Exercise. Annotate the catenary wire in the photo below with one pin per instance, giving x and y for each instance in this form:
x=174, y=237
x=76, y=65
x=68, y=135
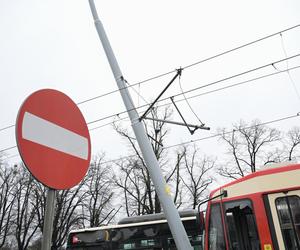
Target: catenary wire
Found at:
x=7, y=127
x=212, y=136
x=212, y=91
x=194, y=64
x=201, y=87
x=188, y=66
x=187, y=102
x=205, y=138
x=287, y=66
x=205, y=93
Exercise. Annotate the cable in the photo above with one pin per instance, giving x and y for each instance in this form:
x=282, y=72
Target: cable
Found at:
x=235, y=84
x=186, y=67
x=4, y=128
x=208, y=92
x=230, y=132
x=137, y=92
x=187, y=102
x=242, y=46
x=6, y=149
x=196, y=63
x=216, y=135
x=204, y=138
x=9, y=157
x=287, y=66
x=239, y=74
x=201, y=87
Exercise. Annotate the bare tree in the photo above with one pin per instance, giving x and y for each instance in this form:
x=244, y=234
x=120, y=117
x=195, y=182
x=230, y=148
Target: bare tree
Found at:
x=133, y=180
x=196, y=178
x=99, y=193
x=186, y=173
x=25, y=220
x=68, y=214
x=247, y=145
x=7, y=199
x=38, y=197
x=292, y=142
x=173, y=178
x=134, y=177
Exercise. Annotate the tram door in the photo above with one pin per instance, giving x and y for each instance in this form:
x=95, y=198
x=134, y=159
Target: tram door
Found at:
x=285, y=219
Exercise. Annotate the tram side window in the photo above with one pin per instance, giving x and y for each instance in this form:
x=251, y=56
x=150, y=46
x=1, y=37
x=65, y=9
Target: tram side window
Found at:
x=216, y=233
x=241, y=225
x=288, y=209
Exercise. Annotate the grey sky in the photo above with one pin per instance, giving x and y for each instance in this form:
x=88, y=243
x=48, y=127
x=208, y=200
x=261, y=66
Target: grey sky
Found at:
x=53, y=44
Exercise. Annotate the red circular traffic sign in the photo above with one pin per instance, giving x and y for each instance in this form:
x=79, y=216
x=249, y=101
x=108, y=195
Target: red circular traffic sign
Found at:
x=53, y=139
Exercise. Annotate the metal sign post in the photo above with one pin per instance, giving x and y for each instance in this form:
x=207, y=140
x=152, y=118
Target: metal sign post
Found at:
x=161, y=187
x=48, y=219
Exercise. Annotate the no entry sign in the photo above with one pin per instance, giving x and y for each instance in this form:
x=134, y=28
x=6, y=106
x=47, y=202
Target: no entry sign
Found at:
x=53, y=139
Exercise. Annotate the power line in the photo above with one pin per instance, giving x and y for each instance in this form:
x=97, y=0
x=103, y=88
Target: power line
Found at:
x=287, y=66
x=212, y=91
x=8, y=148
x=242, y=46
x=230, y=132
x=187, y=102
x=201, y=87
x=186, y=67
x=208, y=92
x=196, y=63
x=213, y=136
x=203, y=138
x=9, y=157
x=235, y=84
x=7, y=127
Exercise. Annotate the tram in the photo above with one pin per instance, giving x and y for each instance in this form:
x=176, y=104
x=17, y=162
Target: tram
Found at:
x=260, y=211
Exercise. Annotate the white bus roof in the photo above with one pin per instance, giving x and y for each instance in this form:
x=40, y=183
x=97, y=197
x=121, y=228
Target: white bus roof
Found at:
x=154, y=222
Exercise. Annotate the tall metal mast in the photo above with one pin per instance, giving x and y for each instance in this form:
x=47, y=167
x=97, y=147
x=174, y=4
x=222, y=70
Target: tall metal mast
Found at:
x=161, y=187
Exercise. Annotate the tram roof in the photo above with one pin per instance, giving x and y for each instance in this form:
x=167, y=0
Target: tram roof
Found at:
x=268, y=179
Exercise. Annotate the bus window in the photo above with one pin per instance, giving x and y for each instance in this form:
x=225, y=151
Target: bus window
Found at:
x=288, y=209
x=158, y=236
x=241, y=225
x=89, y=240
x=148, y=232
x=216, y=233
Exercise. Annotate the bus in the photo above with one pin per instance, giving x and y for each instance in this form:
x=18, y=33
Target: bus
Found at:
x=260, y=211
x=139, y=232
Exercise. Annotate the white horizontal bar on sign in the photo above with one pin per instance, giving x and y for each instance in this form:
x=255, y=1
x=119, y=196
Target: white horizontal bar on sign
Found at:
x=49, y=134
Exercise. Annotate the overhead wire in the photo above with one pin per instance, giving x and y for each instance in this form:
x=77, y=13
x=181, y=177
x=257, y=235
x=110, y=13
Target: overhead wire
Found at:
x=242, y=46
x=202, y=86
x=205, y=93
x=7, y=127
x=186, y=67
x=196, y=63
x=205, y=138
x=137, y=92
x=208, y=92
x=231, y=131
x=287, y=66
x=8, y=148
x=201, y=94
x=187, y=102
x=214, y=136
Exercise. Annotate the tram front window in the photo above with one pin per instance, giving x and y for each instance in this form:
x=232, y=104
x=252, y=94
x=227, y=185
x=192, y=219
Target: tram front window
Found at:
x=216, y=233
x=241, y=224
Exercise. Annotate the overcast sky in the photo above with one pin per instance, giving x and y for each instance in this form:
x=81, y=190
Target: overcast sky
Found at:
x=54, y=44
